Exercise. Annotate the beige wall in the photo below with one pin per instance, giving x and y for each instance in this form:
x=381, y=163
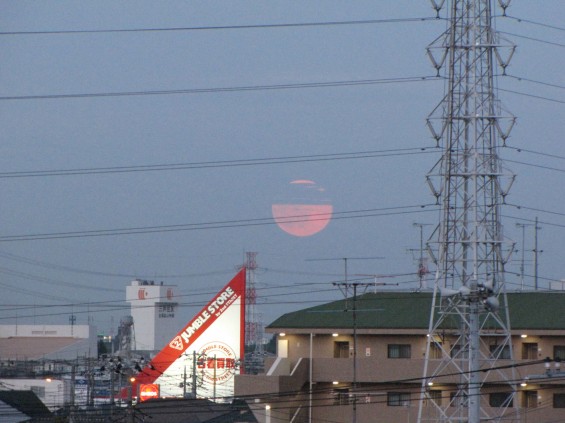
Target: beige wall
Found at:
x=373, y=366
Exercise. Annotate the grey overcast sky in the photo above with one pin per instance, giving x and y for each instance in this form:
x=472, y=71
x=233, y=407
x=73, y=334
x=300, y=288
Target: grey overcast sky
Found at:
x=51, y=52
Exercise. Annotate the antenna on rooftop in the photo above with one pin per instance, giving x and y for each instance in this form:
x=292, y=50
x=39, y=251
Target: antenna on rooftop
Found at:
x=469, y=312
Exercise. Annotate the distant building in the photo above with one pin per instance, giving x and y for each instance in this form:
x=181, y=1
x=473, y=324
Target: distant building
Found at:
x=47, y=342
x=315, y=351
x=153, y=310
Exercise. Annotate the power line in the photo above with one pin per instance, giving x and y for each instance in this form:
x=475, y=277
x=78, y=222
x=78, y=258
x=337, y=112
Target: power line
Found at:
x=533, y=81
x=539, y=97
x=220, y=224
x=545, y=25
x=227, y=89
x=535, y=165
x=220, y=163
x=223, y=27
x=553, y=43
x=540, y=153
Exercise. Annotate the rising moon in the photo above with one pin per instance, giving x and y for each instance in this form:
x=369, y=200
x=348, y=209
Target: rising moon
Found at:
x=306, y=210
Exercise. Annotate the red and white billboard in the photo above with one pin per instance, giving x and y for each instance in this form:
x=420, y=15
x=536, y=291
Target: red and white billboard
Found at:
x=216, y=337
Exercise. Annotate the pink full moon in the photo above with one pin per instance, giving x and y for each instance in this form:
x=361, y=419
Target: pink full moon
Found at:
x=306, y=212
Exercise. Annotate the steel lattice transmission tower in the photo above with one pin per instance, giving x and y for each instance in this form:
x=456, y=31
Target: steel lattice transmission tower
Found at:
x=469, y=329
x=253, y=325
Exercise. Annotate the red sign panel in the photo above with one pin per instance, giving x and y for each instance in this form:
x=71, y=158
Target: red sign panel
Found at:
x=148, y=391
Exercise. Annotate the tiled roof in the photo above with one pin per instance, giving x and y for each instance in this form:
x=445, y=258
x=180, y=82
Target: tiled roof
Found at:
x=541, y=310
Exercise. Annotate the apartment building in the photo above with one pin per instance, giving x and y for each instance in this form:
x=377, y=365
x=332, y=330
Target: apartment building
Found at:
x=363, y=359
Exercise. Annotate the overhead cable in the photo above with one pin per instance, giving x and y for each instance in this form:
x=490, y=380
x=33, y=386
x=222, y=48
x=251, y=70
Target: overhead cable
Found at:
x=221, y=27
x=221, y=163
x=347, y=83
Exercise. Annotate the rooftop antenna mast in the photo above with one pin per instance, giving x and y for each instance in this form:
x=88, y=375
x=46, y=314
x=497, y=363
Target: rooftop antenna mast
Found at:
x=469, y=327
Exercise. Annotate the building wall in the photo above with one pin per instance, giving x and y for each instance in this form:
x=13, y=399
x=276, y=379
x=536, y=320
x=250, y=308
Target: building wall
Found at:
x=47, y=342
x=379, y=399
x=73, y=331
x=154, y=310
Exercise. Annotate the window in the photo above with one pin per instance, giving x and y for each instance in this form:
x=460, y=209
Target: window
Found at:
x=558, y=400
x=530, y=399
x=399, y=351
x=500, y=351
x=458, y=352
x=341, y=349
x=436, y=350
x=397, y=399
x=500, y=399
x=435, y=396
x=559, y=352
x=458, y=399
x=529, y=351
x=341, y=396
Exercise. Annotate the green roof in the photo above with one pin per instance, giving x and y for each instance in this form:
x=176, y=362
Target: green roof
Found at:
x=411, y=310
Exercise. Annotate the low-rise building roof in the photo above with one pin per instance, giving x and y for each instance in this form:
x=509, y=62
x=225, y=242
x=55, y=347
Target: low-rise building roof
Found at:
x=534, y=310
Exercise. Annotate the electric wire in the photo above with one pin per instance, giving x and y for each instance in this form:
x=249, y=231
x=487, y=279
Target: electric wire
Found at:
x=349, y=83
x=52, y=266
x=539, y=40
x=540, y=153
x=223, y=27
x=352, y=214
x=533, y=81
x=529, y=21
x=398, y=152
x=539, y=97
x=535, y=165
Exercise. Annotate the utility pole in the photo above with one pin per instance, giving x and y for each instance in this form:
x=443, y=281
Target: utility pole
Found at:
x=536, y=252
x=422, y=268
x=468, y=246
x=194, y=374
x=73, y=387
x=344, y=287
x=184, y=383
x=522, y=259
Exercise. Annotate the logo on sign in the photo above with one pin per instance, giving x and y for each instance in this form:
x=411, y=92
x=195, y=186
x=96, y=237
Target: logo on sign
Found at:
x=170, y=294
x=141, y=294
x=176, y=343
x=219, y=359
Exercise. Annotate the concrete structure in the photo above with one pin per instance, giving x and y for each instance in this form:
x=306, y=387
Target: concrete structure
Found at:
x=383, y=382
x=154, y=314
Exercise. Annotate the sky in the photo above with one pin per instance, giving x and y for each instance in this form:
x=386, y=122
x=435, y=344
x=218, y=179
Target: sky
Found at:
x=142, y=85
